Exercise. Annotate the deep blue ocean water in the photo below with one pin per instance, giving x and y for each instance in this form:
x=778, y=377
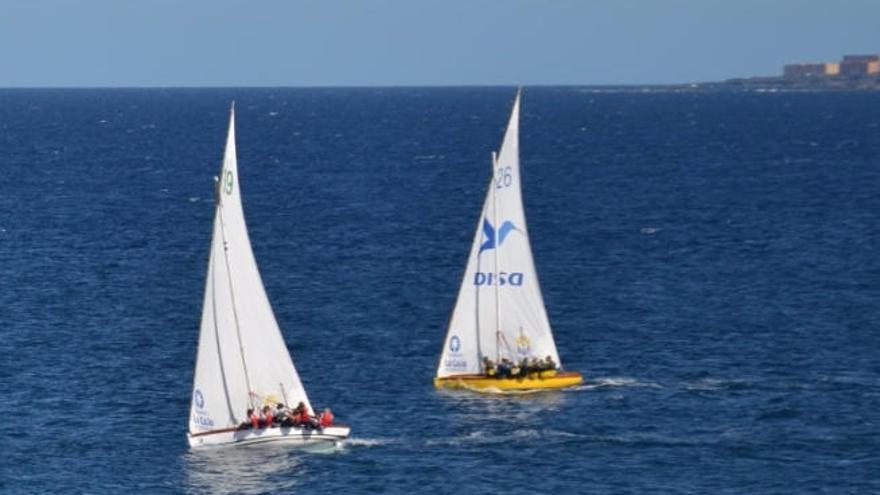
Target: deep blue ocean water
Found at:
x=708, y=261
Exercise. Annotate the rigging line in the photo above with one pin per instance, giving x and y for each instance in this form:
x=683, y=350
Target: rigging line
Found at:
x=477, y=311
x=283, y=394
x=477, y=243
x=217, y=336
x=503, y=339
x=496, y=250
x=247, y=379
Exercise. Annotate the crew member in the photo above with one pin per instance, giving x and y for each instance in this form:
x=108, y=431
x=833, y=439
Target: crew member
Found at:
x=489, y=367
x=267, y=417
x=326, y=418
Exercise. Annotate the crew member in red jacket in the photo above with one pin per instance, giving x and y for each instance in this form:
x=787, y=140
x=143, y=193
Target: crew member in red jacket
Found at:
x=326, y=418
x=267, y=417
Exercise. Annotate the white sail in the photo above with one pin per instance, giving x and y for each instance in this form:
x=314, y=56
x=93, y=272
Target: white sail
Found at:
x=499, y=311
x=242, y=359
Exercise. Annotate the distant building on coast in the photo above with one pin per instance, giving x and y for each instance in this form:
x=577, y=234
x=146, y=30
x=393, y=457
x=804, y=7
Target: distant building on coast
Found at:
x=822, y=69
x=852, y=66
x=852, y=73
x=860, y=65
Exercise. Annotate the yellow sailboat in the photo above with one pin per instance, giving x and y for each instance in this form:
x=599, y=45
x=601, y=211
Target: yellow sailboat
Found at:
x=499, y=338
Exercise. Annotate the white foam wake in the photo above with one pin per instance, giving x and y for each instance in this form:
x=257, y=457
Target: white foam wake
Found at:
x=366, y=442
x=615, y=382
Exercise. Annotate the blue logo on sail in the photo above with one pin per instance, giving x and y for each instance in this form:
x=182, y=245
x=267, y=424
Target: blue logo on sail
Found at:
x=455, y=361
x=501, y=278
x=200, y=416
x=489, y=232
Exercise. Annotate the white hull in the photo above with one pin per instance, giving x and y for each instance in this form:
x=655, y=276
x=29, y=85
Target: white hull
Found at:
x=296, y=437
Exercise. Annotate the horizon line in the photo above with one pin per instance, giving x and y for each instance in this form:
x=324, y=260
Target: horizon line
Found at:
x=371, y=86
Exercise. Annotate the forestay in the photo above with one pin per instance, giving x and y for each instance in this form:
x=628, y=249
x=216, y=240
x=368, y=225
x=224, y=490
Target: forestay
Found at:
x=499, y=311
x=242, y=358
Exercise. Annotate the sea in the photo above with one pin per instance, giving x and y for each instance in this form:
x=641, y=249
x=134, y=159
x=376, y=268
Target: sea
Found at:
x=709, y=262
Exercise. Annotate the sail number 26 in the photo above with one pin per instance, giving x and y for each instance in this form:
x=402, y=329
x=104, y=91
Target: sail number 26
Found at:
x=503, y=177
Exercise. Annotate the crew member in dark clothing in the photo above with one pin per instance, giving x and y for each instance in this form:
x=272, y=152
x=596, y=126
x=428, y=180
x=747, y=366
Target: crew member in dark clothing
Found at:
x=504, y=368
x=489, y=367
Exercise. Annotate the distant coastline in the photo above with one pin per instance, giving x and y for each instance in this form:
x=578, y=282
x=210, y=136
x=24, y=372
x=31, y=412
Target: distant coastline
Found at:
x=835, y=83
x=749, y=84
x=852, y=73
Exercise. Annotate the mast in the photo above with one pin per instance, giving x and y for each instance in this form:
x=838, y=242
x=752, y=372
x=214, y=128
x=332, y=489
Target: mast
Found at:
x=495, y=240
x=477, y=291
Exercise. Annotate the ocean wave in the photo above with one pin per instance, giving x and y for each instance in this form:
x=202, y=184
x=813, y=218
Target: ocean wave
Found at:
x=481, y=437
x=477, y=436
x=367, y=442
x=615, y=382
x=543, y=433
x=646, y=441
x=711, y=384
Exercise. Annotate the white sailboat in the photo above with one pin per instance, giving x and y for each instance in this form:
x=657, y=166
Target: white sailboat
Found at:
x=242, y=361
x=499, y=314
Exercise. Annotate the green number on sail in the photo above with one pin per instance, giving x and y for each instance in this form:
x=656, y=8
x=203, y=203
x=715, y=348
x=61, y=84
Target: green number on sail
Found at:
x=229, y=182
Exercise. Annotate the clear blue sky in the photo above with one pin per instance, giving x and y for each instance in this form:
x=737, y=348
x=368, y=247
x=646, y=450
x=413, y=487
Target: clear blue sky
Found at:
x=420, y=42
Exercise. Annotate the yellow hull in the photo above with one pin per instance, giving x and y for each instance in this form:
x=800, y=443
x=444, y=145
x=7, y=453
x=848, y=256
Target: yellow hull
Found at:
x=535, y=381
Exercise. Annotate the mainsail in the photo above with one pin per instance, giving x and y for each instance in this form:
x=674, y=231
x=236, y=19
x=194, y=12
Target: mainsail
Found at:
x=242, y=359
x=499, y=312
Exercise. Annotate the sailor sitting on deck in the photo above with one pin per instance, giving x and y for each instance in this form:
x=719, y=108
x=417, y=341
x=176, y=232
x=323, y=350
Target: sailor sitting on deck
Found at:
x=523, y=368
x=290, y=417
x=504, y=368
x=281, y=412
x=516, y=369
x=326, y=418
x=489, y=367
x=300, y=417
x=251, y=420
x=533, y=366
x=299, y=410
x=266, y=417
